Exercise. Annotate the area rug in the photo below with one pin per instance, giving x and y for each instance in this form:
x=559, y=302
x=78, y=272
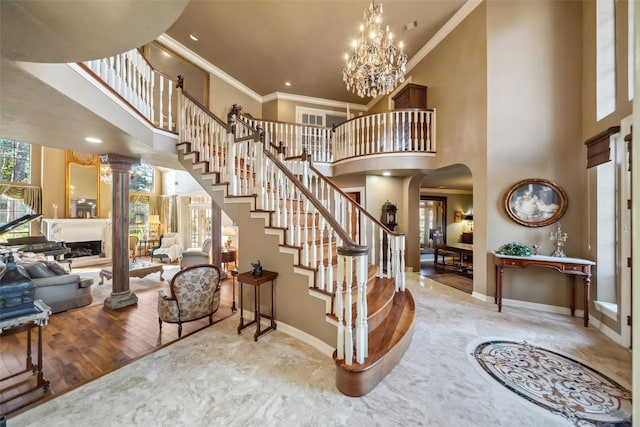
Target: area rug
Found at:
x=461, y=283
x=150, y=282
x=554, y=382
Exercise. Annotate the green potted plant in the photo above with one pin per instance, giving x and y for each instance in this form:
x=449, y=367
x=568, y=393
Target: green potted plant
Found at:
x=514, y=249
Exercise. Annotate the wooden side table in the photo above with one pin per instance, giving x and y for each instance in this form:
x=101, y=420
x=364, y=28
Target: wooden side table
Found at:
x=228, y=255
x=256, y=282
x=21, y=323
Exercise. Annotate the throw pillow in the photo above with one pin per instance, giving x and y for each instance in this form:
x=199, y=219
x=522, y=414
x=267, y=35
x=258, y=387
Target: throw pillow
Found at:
x=56, y=267
x=38, y=269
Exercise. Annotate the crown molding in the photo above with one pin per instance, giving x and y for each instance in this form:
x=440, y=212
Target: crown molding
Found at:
x=207, y=66
x=443, y=32
x=311, y=100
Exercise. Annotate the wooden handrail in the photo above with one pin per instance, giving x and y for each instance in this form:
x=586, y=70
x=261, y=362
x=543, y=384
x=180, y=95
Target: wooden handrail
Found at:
x=411, y=110
x=363, y=210
x=352, y=247
x=205, y=109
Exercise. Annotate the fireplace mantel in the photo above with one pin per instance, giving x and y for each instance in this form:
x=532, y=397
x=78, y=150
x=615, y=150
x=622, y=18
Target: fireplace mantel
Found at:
x=80, y=230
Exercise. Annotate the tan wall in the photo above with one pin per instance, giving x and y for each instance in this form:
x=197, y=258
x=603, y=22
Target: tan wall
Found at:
x=455, y=74
x=270, y=110
x=533, y=131
x=223, y=96
x=53, y=180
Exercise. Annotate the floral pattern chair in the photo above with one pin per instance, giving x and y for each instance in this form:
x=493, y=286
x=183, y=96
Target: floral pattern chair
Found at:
x=194, y=293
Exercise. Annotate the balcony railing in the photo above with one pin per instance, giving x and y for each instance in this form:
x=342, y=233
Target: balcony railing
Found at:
x=148, y=91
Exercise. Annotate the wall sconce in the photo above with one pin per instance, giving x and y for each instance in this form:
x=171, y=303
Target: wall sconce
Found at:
x=389, y=215
x=227, y=232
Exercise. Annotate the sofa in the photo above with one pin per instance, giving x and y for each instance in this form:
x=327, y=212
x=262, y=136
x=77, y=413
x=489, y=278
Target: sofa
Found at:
x=196, y=256
x=55, y=286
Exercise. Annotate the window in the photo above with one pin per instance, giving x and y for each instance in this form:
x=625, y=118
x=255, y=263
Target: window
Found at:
x=138, y=219
x=142, y=179
x=630, y=51
x=605, y=58
x=16, y=161
x=15, y=167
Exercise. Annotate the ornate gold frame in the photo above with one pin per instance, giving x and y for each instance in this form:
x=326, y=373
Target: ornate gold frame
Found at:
x=535, y=202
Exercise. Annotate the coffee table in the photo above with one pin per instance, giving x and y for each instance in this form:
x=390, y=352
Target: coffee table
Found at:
x=136, y=269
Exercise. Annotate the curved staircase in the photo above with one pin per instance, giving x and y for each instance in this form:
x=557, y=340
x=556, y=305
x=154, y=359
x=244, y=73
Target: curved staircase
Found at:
x=373, y=332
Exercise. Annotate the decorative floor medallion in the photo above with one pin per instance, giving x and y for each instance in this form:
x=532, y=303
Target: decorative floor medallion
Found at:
x=556, y=382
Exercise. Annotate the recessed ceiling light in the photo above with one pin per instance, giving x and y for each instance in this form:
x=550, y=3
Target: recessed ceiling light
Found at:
x=93, y=140
x=386, y=173
x=287, y=83
x=194, y=37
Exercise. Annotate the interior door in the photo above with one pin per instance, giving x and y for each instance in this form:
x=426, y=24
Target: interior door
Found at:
x=433, y=210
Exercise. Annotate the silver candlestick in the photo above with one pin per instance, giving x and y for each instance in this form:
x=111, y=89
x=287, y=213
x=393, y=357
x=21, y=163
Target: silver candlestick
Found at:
x=559, y=237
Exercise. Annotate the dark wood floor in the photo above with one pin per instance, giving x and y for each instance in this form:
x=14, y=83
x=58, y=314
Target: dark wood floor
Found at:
x=83, y=344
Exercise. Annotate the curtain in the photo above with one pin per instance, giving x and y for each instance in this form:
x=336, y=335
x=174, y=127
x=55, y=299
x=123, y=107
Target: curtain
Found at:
x=147, y=199
x=32, y=196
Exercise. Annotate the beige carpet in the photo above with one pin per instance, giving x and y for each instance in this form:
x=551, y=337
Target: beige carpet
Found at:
x=464, y=284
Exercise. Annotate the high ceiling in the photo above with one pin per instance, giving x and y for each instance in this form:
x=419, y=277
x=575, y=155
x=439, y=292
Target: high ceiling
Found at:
x=261, y=43
x=265, y=43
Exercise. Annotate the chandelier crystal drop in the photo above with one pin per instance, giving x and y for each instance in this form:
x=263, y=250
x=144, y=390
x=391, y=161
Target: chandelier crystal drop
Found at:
x=375, y=66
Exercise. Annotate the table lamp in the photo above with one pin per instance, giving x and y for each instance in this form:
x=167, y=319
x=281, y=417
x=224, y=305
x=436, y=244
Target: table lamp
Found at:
x=227, y=232
x=154, y=225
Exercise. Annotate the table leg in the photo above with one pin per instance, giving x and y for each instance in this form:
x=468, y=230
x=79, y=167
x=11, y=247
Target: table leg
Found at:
x=273, y=307
x=587, y=287
x=39, y=370
x=233, y=290
x=29, y=363
x=241, y=311
x=257, y=313
x=572, y=294
x=499, y=273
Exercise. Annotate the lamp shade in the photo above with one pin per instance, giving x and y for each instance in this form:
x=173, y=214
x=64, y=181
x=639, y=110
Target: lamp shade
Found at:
x=154, y=219
x=468, y=217
x=228, y=231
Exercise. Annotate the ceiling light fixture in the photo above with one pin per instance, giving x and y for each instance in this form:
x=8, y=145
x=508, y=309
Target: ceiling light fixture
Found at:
x=386, y=173
x=194, y=37
x=375, y=66
x=287, y=83
x=93, y=140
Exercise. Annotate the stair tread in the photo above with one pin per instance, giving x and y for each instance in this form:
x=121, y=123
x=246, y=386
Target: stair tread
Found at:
x=392, y=329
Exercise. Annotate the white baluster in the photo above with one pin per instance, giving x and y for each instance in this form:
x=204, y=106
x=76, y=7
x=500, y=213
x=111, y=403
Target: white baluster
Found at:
x=348, y=334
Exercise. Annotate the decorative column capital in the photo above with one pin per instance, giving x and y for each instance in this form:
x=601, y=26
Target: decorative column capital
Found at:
x=119, y=163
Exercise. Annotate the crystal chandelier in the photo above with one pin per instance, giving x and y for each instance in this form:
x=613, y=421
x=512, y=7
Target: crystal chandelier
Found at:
x=375, y=66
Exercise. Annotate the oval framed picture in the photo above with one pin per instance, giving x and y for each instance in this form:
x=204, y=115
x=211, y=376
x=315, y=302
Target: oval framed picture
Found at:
x=535, y=202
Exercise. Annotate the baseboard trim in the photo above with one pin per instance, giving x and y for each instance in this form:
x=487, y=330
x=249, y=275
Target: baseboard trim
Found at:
x=296, y=333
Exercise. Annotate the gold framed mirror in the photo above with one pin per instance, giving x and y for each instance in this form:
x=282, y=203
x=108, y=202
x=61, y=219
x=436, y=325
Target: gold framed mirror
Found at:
x=82, y=193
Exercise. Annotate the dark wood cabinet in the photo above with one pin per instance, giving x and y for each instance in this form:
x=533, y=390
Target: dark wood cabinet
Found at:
x=411, y=96
x=467, y=237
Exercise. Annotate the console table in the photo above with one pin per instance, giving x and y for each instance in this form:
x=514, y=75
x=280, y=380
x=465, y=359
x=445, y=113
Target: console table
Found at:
x=26, y=322
x=256, y=281
x=571, y=266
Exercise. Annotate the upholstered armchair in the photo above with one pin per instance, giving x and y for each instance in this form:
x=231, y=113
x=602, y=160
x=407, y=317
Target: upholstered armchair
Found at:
x=195, y=256
x=170, y=248
x=194, y=293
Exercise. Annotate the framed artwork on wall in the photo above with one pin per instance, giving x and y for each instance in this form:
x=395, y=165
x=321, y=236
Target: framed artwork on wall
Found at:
x=535, y=202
